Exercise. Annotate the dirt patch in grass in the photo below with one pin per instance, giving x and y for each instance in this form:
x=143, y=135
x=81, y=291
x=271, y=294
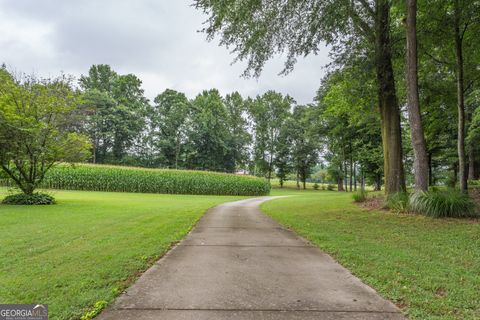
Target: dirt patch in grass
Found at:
x=373, y=203
x=475, y=194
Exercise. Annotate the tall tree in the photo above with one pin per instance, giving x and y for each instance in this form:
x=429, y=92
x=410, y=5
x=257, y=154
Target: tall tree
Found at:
x=209, y=132
x=169, y=124
x=304, y=141
x=238, y=136
x=268, y=113
x=258, y=30
x=459, y=34
x=97, y=120
x=125, y=119
x=420, y=162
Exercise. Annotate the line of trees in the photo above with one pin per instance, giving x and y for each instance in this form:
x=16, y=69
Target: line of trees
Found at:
x=269, y=135
x=403, y=71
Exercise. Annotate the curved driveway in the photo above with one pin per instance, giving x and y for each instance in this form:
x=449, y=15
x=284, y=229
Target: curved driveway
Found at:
x=239, y=264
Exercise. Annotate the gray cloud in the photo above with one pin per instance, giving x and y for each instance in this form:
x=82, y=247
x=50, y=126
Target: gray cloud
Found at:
x=156, y=40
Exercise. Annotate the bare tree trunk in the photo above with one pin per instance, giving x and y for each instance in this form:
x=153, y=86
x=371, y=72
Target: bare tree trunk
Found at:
x=351, y=169
x=177, y=151
x=355, y=176
x=339, y=184
x=270, y=162
x=420, y=161
x=388, y=103
x=430, y=170
x=94, y=153
x=460, y=100
x=471, y=164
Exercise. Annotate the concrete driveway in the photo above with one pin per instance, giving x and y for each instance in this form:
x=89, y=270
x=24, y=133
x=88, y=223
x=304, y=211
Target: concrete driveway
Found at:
x=239, y=264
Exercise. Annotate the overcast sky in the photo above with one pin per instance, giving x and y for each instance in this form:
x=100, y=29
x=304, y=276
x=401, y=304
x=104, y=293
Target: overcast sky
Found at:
x=157, y=40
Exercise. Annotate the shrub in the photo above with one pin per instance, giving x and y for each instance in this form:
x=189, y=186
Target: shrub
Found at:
x=474, y=182
x=397, y=201
x=29, y=199
x=330, y=187
x=323, y=187
x=360, y=196
x=442, y=204
x=316, y=186
x=130, y=179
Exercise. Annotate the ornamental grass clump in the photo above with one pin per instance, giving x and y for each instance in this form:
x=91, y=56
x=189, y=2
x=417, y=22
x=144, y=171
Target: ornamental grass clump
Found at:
x=397, y=202
x=443, y=204
x=130, y=179
x=360, y=195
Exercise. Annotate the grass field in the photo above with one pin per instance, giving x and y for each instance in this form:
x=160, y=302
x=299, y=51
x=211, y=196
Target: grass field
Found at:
x=89, y=246
x=428, y=267
x=290, y=184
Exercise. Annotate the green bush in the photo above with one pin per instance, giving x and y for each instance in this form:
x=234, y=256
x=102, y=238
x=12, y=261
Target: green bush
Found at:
x=443, y=204
x=130, y=179
x=316, y=186
x=474, y=182
x=360, y=196
x=29, y=199
x=330, y=187
x=397, y=201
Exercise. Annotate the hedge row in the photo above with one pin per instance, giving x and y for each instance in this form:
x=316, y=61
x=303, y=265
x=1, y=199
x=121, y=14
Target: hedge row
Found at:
x=128, y=179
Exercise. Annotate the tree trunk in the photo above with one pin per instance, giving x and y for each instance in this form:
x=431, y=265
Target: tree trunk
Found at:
x=388, y=103
x=378, y=183
x=177, y=151
x=270, y=166
x=471, y=163
x=430, y=170
x=351, y=169
x=355, y=176
x=298, y=180
x=460, y=100
x=339, y=184
x=345, y=179
x=420, y=161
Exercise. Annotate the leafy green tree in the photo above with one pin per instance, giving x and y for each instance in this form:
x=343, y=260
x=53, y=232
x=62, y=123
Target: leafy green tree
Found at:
x=268, y=113
x=169, y=123
x=97, y=121
x=125, y=118
x=238, y=136
x=305, y=141
x=283, y=153
x=350, y=127
x=209, y=132
x=34, y=115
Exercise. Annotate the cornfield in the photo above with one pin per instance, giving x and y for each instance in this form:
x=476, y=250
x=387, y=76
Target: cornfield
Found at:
x=129, y=179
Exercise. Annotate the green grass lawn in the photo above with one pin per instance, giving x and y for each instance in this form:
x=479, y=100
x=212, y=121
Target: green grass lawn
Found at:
x=428, y=267
x=89, y=246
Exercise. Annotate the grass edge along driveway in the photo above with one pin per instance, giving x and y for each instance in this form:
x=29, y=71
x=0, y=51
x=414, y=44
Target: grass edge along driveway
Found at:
x=429, y=267
x=89, y=246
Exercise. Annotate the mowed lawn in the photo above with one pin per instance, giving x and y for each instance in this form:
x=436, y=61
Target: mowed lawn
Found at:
x=89, y=246
x=428, y=267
